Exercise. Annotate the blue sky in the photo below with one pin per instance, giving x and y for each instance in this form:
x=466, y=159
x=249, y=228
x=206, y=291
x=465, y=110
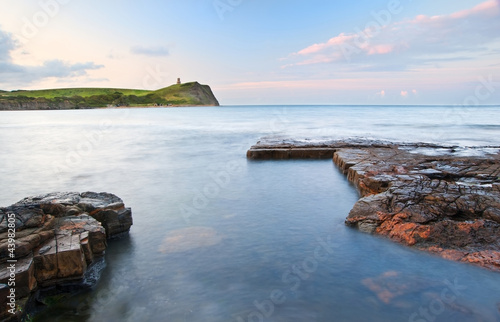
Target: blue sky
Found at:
x=260, y=52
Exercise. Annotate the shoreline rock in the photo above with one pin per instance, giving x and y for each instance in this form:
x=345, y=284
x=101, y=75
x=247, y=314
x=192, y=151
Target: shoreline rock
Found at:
x=57, y=237
x=443, y=200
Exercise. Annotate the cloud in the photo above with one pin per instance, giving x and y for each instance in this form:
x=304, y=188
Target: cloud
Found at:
x=7, y=44
x=346, y=83
x=12, y=74
x=404, y=93
x=60, y=69
x=381, y=94
x=150, y=51
x=462, y=35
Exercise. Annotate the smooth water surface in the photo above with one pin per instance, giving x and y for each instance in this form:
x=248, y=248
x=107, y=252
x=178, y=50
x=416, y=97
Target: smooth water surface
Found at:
x=219, y=238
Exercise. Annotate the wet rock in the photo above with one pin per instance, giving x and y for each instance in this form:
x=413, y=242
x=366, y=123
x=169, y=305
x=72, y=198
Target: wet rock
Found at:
x=57, y=236
x=25, y=280
x=429, y=209
x=444, y=200
x=31, y=210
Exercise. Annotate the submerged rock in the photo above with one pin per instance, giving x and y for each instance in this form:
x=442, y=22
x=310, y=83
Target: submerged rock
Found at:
x=182, y=240
x=444, y=200
x=392, y=284
x=57, y=236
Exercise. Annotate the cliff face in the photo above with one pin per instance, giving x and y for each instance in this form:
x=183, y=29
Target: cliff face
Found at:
x=37, y=104
x=188, y=94
x=204, y=95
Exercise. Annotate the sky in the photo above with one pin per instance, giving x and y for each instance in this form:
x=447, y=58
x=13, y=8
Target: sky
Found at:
x=253, y=52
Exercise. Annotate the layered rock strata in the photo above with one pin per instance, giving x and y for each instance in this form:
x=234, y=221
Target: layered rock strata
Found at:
x=444, y=200
x=56, y=237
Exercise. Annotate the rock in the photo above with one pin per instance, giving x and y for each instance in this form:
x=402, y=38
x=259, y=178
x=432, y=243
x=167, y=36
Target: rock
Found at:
x=182, y=240
x=434, y=198
x=56, y=238
x=4, y=292
x=428, y=208
x=25, y=280
x=44, y=249
x=392, y=284
x=32, y=211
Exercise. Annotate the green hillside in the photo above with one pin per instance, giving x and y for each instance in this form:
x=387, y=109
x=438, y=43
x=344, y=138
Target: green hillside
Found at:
x=69, y=92
x=188, y=94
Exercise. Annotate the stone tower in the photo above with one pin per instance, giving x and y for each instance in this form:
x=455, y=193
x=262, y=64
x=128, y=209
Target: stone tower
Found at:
x=178, y=81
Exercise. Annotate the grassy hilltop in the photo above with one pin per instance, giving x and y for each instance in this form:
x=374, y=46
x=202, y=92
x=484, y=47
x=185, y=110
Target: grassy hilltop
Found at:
x=188, y=94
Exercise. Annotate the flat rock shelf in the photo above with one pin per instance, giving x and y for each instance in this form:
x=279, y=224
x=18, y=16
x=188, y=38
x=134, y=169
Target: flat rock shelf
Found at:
x=441, y=199
x=57, y=238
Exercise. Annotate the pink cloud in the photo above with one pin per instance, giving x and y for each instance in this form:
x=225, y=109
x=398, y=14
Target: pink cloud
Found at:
x=335, y=41
x=404, y=93
x=312, y=49
x=345, y=83
x=490, y=7
x=380, y=49
x=463, y=31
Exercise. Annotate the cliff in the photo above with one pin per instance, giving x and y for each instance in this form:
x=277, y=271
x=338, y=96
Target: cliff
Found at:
x=188, y=94
x=36, y=104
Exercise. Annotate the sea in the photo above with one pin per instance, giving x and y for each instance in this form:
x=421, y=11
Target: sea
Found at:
x=217, y=237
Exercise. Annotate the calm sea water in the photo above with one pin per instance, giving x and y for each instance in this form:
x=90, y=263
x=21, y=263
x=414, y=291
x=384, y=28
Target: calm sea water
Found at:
x=219, y=238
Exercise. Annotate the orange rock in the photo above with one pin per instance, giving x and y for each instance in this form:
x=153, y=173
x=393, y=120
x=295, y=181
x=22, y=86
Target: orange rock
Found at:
x=391, y=285
x=486, y=258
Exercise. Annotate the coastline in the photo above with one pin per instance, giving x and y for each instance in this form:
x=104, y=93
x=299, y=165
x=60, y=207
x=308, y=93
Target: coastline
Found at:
x=152, y=106
x=103, y=107
x=444, y=200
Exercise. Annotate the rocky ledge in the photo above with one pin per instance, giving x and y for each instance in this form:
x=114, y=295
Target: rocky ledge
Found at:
x=444, y=200
x=57, y=237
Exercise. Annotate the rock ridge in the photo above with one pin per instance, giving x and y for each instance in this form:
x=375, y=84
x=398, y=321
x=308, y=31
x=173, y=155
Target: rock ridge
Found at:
x=443, y=200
